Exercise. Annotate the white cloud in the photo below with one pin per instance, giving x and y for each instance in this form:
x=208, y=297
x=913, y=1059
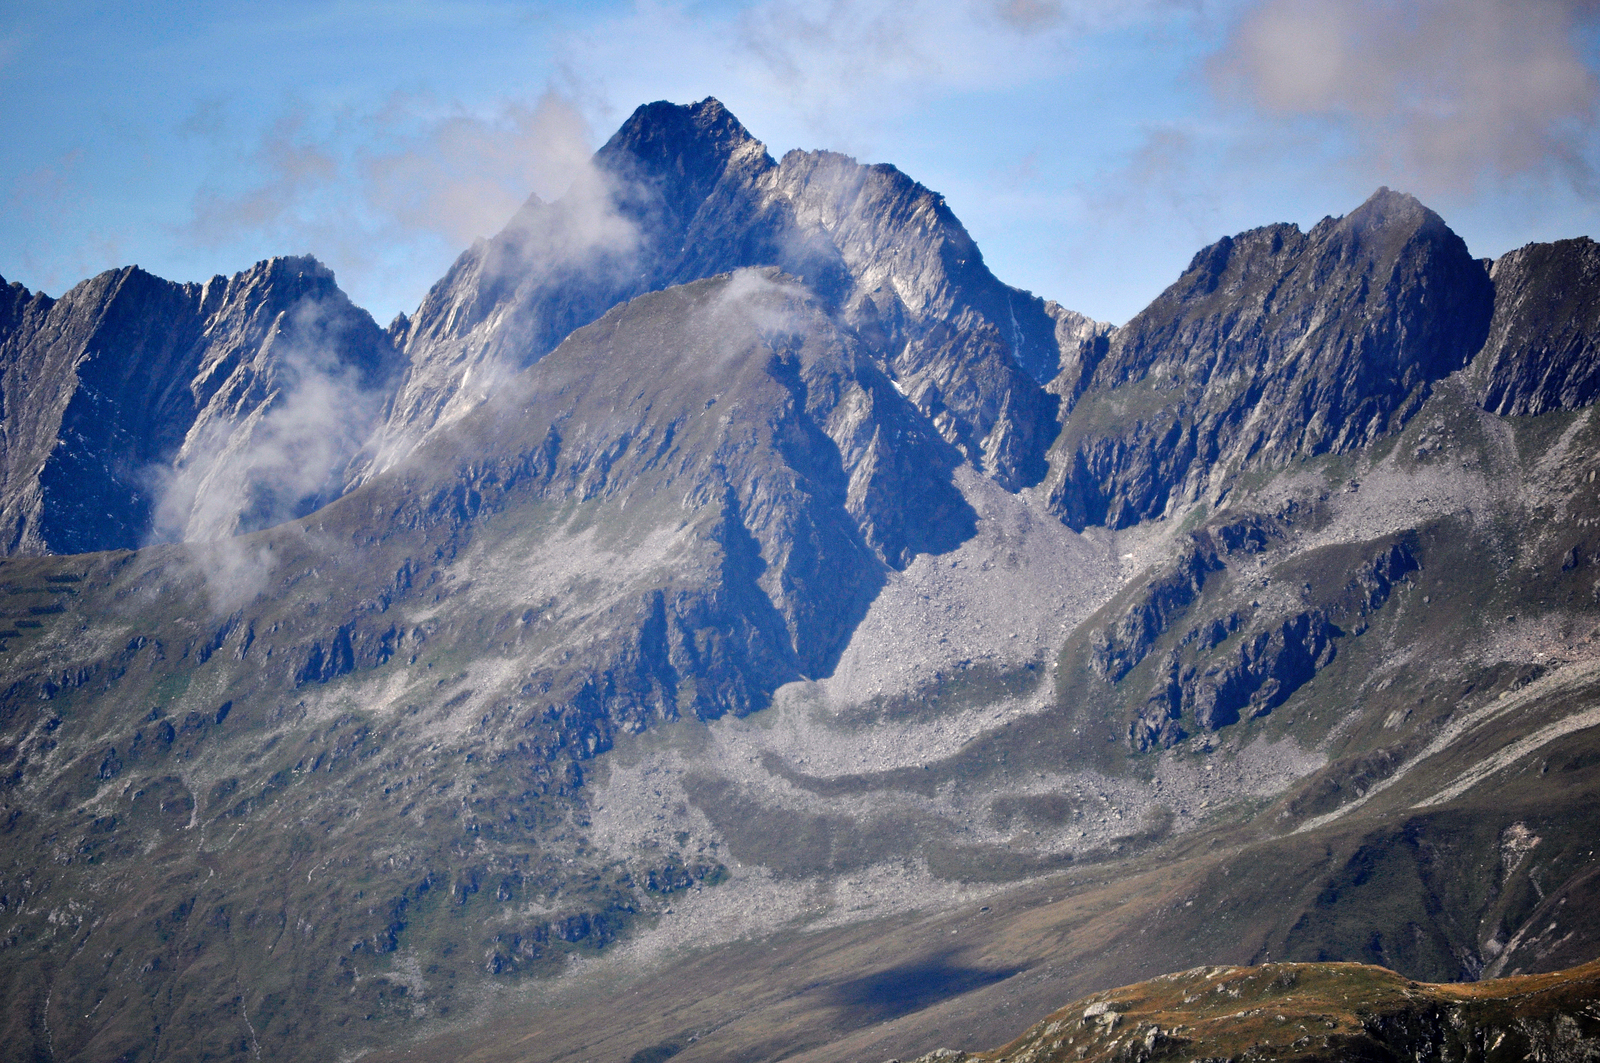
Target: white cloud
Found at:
x=278, y=449
x=836, y=70
x=394, y=194
x=1445, y=94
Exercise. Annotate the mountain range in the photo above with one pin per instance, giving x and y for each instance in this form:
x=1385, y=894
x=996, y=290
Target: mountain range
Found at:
x=727, y=622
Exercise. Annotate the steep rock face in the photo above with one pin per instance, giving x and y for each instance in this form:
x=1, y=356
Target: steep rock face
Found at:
x=16, y=303
x=688, y=503
x=1543, y=351
x=290, y=380
x=1083, y=343
x=619, y=232
x=137, y=408
x=740, y=396
x=94, y=387
x=968, y=350
x=1274, y=344
x=681, y=193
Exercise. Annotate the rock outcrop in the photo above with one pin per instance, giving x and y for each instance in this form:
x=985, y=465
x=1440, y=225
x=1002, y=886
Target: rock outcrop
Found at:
x=685, y=192
x=1316, y=1011
x=139, y=410
x=1274, y=344
x=1543, y=351
x=1205, y=678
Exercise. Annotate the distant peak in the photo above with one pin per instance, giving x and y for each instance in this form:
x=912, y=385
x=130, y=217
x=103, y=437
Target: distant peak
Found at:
x=658, y=132
x=1386, y=205
x=706, y=115
x=291, y=265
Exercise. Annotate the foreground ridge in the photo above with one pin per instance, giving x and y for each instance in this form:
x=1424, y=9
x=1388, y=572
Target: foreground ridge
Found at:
x=1317, y=1011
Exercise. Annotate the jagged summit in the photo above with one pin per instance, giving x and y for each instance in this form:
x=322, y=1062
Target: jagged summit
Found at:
x=139, y=409
x=1274, y=344
x=1386, y=203
x=685, y=139
x=684, y=192
x=292, y=276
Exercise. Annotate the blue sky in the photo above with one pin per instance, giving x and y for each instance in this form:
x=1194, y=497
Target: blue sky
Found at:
x=1091, y=147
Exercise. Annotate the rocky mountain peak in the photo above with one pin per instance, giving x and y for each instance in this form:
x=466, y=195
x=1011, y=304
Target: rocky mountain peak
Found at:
x=687, y=144
x=1386, y=207
x=283, y=280
x=1275, y=343
x=684, y=192
x=141, y=409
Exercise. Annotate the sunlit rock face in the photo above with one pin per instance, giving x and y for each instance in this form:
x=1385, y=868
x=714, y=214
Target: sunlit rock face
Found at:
x=681, y=193
x=723, y=581
x=1274, y=344
x=139, y=410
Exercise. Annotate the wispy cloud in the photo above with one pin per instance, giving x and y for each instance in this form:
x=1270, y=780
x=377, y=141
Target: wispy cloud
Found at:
x=840, y=68
x=1446, y=94
x=1028, y=14
x=293, y=162
x=42, y=188
x=376, y=191
x=828, y=50
x=1162, y=177
x=463, y=175
x=11, y=44
x=273, y=442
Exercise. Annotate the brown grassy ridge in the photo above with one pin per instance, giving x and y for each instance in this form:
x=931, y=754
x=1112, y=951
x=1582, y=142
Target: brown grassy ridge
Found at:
x=1317, y=1011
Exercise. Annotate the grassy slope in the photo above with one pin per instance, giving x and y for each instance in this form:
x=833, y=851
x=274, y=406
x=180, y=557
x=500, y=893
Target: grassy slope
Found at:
x=1292, y=1011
